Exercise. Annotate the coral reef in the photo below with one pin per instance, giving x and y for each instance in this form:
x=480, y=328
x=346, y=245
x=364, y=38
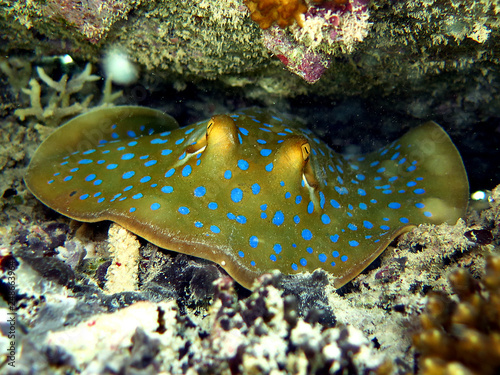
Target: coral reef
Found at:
x=464, y=336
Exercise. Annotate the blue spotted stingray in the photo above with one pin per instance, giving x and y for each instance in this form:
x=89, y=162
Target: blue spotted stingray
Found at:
x=250, y=191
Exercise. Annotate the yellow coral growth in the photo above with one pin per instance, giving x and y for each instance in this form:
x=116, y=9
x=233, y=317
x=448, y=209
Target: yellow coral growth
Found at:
x=463, y=337
x=283, y=12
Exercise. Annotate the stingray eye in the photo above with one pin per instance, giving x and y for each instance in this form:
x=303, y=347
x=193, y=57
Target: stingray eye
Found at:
x=306, y=151
x=210, y=126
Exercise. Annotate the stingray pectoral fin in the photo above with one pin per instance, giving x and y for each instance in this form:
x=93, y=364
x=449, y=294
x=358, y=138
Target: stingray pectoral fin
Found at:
x=441, y=165
x=356, y=269
x=84, y=134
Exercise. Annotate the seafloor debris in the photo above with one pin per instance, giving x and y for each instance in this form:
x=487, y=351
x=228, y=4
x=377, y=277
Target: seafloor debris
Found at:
x=463, y=337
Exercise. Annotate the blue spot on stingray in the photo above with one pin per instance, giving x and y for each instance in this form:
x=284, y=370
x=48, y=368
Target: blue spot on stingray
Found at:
x=243, y=164
x=231, y=216
x=253, y=241
x=385, y=227
x=344, y=258
x=127, y=156
x=288, y=195
x=88, y=152
x=145, y=179
x=393, y=178
x=132, y=209
x=325, y=219
x=394, y=205
x=361, y=192
x=419, y=191
x=90, y=177
x=419, y=205
x=100, y=200
x=167, y=189
x=367, y=224
x=236, y=195
x=212, y=205
x=241, y=219
x=295, y=267
x=306, y=234
x=322, y=258
x=360, y=177
x=335, y=254
x=321, y=200
x=296, y=219
x=67, y=178
x=427, y=213
x=404, y=220
x=266, y=152
x=303, y=262
x=263, y=207
x=255, y=188
x=166, y=152
x=241, y=254
x=411, y=183
x=215, y=229
x=298, y=199
x=84, y=196
x=170, y=172
x=149, y=163
x=179, y=141
x=334, y=238
x=74, y=169
x=186, y=171
x=155, y=206
x=200, y=191
x=272, y=257
x=411, y=168
x=277, y=248
x=97, y=182
x=351, y=226
x=380, y=170
x=269, y=167
x=137, y=196
x=395, y=156
x=353, y=244
x=227, y=174
x=198, y=224
x=261, y=141
x=244, y=131
x=373, y=164
x=83, y=161
x=127, y=188
x=128, y=174
x=278, y=218
x=143, y=157
x=310, y=207
x=133, y=143
x=183, y=210
x=183, y=155
x=334, y=203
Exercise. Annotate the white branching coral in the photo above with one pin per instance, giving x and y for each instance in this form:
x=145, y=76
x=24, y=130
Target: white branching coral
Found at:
x=60, y=103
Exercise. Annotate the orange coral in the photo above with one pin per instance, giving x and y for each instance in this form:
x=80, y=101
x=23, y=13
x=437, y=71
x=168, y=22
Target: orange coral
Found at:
x=463, y=337
x=283, y=12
